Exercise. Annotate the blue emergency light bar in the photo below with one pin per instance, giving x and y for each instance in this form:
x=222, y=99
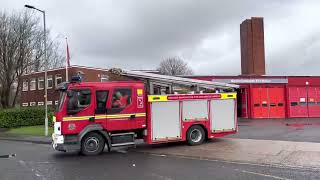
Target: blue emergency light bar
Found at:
x=75, y=79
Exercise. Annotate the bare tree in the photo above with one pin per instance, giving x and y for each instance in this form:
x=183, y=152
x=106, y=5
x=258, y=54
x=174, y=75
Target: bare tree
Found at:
x=21, y=51
x=174, y=66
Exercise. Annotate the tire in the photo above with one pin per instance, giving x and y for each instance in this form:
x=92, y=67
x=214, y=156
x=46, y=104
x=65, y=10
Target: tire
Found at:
x=195, y=135
x=92, y=144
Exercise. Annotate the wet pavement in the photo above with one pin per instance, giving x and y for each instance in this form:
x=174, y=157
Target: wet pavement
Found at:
x=296, y=129
x=262, y=149
x=39, y=161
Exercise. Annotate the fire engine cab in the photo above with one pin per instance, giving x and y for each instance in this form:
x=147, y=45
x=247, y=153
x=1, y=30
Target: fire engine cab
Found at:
x=92, y=115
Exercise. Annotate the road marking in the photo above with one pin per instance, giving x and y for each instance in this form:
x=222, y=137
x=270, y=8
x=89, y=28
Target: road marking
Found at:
x=260, y=174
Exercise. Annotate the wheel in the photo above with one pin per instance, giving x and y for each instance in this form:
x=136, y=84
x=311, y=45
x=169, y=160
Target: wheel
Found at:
x=92, y=144
x=195, y=135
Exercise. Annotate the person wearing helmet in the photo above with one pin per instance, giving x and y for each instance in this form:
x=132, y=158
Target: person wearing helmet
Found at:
x=120, y=101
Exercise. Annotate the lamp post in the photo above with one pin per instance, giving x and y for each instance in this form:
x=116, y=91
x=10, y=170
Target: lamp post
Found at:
x=46, y=65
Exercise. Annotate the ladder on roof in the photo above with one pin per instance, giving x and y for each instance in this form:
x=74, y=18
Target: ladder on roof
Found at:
x=165, y=80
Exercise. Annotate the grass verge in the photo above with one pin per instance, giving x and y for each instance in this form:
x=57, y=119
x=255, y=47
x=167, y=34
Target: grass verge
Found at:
x=30, y=130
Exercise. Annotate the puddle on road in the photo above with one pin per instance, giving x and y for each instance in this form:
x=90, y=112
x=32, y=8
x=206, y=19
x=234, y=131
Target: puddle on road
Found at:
x=300, y=126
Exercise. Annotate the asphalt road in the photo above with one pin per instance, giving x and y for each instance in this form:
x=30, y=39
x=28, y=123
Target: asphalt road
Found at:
x=38, y=161
x=299, y=130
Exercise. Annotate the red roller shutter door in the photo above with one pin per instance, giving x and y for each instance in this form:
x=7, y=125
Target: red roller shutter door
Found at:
x=268, y=102
x=256, y=101
x=313, y=101
x=276, y=102
x=264, y=102
x=298, y=102
x=260, y=102
x=318, y=102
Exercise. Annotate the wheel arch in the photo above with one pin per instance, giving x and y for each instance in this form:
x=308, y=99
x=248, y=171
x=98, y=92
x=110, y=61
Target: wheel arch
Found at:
x=98, y=129
x=203, y=127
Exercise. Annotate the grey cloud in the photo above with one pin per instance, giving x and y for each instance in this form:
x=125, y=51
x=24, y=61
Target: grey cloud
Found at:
x=139, y=34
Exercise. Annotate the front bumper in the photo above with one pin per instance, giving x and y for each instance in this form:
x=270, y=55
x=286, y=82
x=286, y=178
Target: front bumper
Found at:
x=64, y=143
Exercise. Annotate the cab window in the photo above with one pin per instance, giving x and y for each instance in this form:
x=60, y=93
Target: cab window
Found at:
x=101, y=100
x=78, y=100
x=121, y=98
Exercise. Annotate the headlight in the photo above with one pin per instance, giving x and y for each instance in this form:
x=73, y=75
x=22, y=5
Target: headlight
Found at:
x=57, y=128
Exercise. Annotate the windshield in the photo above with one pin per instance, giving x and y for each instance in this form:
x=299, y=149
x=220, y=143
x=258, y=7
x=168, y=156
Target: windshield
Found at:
x=61, y=100
x=78, y=100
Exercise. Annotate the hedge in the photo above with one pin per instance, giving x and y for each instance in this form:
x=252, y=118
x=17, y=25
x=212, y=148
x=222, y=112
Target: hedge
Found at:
x=17, y=117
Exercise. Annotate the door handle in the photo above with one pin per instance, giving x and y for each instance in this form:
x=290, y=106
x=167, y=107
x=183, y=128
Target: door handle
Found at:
x=132, y=116
x=91, y=119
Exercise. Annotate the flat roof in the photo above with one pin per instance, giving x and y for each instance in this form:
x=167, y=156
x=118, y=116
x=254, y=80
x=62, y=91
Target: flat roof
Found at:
x=245, y=76
x=61, y=68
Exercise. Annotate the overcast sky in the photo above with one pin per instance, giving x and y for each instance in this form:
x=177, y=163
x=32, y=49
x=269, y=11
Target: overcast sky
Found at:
x=139, y=34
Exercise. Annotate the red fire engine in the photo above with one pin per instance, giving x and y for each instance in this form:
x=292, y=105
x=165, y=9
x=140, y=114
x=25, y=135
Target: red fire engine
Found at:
x=91, y=115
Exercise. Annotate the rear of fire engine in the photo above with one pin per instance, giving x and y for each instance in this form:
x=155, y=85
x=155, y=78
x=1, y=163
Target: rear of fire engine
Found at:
x=94, y=115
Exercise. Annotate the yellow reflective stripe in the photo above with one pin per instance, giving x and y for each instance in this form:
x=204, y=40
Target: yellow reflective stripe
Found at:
x=228, y=95
x=140, y=114
x=100, y=117
x=76, y=118
x=113, y=116
x=125, y=115
x=155, y=98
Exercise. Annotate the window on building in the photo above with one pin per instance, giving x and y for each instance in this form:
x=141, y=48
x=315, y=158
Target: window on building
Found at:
x=32, y=84
x=32, y=103
x=50, y=82
x=78, y=100
x=58, y=80
x=40, y=83
x=40, y=103
x=104, y=78
x=25, y=104
x=49, y=103
x=25, y=85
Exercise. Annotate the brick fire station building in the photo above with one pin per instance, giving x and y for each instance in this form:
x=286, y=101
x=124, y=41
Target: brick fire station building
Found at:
x=259, y=95
x=274, y=96
x=33, y=84
x=262, y=96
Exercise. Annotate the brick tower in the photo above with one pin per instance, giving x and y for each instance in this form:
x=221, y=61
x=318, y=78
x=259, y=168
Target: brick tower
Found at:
x=252, y=47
